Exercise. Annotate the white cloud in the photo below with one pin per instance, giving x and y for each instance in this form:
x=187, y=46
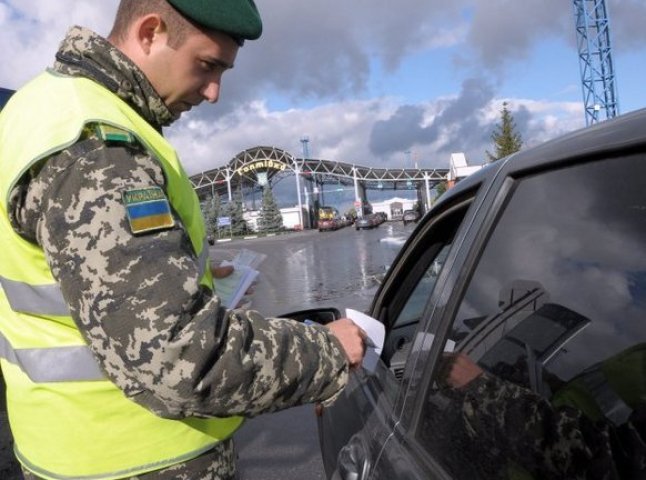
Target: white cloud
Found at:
x=341, y=131
x=321, y=53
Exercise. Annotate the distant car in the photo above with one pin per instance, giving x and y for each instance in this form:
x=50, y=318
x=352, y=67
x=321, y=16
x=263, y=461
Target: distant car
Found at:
x=410, y=216
x=535, y=268
x=382, y=216
x=371, y=220
x=327, y=224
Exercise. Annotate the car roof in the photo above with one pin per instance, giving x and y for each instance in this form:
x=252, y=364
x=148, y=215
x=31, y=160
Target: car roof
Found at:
x=626, y=132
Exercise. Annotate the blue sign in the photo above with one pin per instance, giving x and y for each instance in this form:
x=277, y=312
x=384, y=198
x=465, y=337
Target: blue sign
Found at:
x=224, y=221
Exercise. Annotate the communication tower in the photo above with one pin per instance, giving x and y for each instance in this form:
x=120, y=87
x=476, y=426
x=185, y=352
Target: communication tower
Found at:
x=595, y=59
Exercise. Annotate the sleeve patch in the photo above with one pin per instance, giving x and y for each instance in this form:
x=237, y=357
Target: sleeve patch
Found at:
x=147, y=210
x=108, y=133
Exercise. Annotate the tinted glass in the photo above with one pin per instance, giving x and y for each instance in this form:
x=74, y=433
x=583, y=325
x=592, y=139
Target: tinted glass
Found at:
x=420, y=267
x=557, y=306
x=400, y=338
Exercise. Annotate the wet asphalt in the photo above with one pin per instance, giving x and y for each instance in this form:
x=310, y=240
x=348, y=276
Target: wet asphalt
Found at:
x=307, y=270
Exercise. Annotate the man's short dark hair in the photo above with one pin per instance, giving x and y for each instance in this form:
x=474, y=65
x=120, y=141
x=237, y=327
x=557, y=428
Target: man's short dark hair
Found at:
x=130, y=10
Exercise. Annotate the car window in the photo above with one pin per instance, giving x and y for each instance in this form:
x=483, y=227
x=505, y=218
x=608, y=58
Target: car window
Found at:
x=419, y=268
x=401, y=335
x=555, y=315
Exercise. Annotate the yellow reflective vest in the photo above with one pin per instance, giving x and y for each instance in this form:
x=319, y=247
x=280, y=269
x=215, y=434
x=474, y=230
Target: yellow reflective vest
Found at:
x=68, y=420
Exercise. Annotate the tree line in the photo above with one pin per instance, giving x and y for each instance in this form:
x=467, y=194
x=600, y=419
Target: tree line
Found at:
x=227, y=220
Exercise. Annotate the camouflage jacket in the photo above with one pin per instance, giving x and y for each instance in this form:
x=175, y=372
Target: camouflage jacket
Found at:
x=513, y=427
x=168, y=345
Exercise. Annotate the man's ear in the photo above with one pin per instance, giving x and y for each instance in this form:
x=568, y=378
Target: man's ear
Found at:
x=150, y=30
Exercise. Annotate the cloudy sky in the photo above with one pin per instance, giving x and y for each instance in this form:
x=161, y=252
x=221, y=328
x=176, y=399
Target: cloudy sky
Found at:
x=372, y=82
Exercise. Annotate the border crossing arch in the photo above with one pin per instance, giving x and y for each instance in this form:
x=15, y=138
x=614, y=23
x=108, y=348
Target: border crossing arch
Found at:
x=265, y=165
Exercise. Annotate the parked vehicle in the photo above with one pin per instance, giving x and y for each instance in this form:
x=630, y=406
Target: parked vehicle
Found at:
x=370, y=220
x=329, y=219
x=329, y=224
x=535, y=268
x=381, y=216
x=410, y=216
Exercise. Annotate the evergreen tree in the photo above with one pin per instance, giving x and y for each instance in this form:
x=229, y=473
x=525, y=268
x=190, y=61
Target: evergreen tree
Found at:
x=270, y=218
x=440, y=188
x=238, y=223
x=351, y=213
x=211, y=215
x=505, y=138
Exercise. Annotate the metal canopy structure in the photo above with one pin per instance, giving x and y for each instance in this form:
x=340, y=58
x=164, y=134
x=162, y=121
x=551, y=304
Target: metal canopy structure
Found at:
x=595, y=60
x=274, y=164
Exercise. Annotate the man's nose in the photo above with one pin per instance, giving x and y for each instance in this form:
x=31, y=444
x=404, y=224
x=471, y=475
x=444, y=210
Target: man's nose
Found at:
x=211, y=92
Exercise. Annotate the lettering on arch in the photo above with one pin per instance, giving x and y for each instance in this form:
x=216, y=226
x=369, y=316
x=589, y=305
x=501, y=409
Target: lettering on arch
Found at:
x=266, y=164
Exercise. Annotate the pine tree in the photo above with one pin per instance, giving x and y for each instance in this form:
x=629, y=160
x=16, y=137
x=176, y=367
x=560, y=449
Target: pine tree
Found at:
x=270, y=218
x=440, y=188
x=234, y=212
x=212, y=215
x=505, y=138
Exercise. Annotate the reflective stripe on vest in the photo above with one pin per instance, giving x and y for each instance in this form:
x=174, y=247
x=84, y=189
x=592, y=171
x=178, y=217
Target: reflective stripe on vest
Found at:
x=37, y=299
x=49, y=300
x=60, y=364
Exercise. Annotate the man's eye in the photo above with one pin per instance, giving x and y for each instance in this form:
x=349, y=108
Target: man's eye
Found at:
x=207, y=65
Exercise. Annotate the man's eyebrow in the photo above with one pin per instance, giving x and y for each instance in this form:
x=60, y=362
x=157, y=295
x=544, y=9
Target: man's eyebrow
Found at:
x=219, y=62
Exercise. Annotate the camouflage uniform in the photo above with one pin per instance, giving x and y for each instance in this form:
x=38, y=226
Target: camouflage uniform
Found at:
x=169, y=345
x=513, y=427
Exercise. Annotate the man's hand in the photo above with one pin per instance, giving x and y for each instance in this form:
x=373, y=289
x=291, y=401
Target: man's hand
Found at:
x=221, y=271
x=351, y=338
x=460, y=370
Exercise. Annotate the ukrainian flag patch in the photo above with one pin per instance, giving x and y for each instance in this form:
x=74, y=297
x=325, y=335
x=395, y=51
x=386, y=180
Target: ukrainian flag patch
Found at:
x=147, y=210
x=108, y=133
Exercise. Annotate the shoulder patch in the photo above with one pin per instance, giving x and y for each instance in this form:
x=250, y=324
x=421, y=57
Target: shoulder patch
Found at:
x=109, y=133
x=147, y=210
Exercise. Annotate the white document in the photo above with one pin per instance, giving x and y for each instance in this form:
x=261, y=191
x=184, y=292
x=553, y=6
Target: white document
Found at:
x=376, y=334
x=231, y=289
x=249, y=258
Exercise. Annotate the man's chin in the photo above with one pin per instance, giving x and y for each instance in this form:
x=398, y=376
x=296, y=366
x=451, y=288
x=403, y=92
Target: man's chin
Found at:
x=178, y=110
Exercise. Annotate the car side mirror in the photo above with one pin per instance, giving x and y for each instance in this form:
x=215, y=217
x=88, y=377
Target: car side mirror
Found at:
x=322, y=316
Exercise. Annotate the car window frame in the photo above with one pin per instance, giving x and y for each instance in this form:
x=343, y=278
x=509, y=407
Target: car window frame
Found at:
x=467, y=202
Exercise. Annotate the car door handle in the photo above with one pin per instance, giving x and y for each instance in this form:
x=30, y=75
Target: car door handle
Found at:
x=353, y=461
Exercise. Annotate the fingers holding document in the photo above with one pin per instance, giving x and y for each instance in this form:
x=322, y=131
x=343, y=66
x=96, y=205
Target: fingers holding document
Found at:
x=352, y=338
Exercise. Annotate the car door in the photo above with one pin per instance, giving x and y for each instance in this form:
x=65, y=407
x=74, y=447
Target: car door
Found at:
x=548, y=297
x=354, y=431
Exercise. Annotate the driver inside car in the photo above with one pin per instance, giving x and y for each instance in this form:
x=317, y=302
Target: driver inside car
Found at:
x=594, y=426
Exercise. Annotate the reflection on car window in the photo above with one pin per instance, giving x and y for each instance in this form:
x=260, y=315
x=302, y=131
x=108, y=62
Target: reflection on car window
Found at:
x=422, y=264
x=412, y=311
x=554, y=314
x=401, y=336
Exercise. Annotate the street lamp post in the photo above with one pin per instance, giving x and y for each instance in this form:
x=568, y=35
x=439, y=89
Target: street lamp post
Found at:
x=297, y=171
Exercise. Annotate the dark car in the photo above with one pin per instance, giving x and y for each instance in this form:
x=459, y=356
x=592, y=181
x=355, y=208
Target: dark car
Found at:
x=410, y=216
x=328, y=224
x=535, y=269
x=370, y=220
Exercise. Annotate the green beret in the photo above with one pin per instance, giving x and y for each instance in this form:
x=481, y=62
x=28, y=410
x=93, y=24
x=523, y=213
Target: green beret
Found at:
x=238, y=18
